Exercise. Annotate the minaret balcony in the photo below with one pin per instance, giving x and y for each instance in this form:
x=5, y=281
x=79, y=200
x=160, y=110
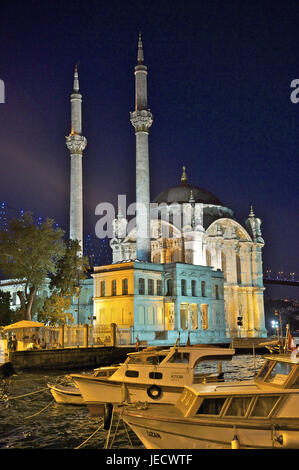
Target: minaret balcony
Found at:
x=75, y=143
x=141, y=120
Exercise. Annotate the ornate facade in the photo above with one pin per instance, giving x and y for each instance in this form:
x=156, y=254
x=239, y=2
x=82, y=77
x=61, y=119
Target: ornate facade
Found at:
x=190, y=226
x=211, y=237
x=157, y=302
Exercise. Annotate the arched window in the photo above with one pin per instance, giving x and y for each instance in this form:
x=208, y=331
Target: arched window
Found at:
x=113, y=287
x=169, y=287
x=203, y=288
x=175, y=256
x=141, y=315
x=141, y=286
x=204, y=316
x=188, y=256
x=159, y=287
x=223, y=265
x=150, y=287
x=208, y=258
x=183, y=287
x=160, y=316
x=125, y=286
x=150, y=315
x=184, y=316
x=216, y=292
x=238, y=267
x=102, y=289
x=193, y=288
x=194, y=316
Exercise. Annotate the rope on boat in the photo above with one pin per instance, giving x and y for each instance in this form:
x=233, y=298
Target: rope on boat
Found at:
x=128, y=436
x=27, y=394
x=109, y=432
x=35, y=414
x=115, y=431
x=86, y=440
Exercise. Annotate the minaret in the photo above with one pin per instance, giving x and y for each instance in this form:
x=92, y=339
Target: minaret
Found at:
x=76, y=143
x=142, y=119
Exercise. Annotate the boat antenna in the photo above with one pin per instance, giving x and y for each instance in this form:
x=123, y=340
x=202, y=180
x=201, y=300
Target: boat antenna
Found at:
x=286, y=338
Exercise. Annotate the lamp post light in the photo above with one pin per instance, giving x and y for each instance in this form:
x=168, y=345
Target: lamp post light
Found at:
x=274, y=324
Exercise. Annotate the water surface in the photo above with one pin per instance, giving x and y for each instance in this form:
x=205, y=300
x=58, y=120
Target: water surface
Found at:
x=67, y=427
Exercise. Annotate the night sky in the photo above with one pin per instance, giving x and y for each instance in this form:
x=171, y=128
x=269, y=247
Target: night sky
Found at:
x=218, y=87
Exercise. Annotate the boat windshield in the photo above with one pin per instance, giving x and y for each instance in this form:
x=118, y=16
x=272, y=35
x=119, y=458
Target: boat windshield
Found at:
x=265, y=369
x=146, y=359
x=279, y=374
x=155, y=359
x=134, y=360
x=179, y=357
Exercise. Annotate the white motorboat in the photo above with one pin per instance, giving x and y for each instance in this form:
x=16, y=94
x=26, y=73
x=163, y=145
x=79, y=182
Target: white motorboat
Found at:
x=69, y=393
x=262, y=413
x=153, y=375
x=66, y=394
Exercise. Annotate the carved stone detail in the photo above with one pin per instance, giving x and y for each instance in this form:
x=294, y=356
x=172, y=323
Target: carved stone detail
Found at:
x=141, y=120
x=75, y=143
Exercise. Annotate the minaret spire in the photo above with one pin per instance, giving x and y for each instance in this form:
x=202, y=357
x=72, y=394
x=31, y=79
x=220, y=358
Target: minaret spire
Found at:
x=76, y=80
x=140, y=57
x=76, y=143
x=142, y=119
x=184, y=175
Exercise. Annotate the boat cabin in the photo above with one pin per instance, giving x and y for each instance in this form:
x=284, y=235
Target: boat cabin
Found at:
x=175, y=364
x=105, y=371
x=271, y=393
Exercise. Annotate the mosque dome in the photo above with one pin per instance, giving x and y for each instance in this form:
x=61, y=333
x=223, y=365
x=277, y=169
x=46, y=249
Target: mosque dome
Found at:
x=183, y=191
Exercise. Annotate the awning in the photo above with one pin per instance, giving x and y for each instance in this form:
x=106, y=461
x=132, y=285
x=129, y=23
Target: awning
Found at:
x=24, y=324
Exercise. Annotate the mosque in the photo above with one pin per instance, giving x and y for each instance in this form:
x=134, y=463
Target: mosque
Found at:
x=188, y=267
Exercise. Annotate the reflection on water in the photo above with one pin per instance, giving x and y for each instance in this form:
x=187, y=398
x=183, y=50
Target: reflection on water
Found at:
x=66, y=427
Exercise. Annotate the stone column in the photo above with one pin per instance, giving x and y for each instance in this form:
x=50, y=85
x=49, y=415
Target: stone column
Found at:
x=142, y=119
x=76, y=143
x=193, y=242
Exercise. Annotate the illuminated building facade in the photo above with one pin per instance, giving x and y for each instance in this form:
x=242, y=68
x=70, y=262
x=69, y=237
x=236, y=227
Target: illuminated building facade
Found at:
x=201, y=234
x=158, y=301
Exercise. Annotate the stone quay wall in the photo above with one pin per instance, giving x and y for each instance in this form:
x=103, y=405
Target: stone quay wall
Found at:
x=68, y=358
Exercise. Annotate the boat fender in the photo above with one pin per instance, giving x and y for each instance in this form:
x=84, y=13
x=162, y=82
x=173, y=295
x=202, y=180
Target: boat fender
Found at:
x=107, y=415
x=235, y=444
x=154, y=392
x=289, y=439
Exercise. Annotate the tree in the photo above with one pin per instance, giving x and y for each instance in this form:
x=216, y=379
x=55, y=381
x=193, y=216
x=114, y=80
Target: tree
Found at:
x=71, y=269
x=6, y=314
x=54, y=310
x=30, y=253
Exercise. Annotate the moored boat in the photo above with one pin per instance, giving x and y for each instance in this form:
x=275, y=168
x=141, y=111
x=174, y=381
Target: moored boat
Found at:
x=262, y=413
x=69, y=393
x=153, y=375
x=66, y=394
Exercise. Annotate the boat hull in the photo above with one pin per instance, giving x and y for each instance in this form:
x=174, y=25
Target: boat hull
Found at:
x=67, y=395
x=157, y=433
x=97, y=392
